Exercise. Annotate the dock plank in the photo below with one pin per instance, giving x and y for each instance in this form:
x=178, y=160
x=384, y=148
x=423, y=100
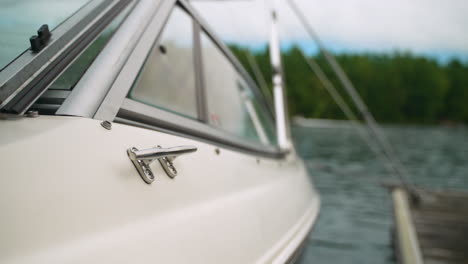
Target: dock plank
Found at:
x=440, y=221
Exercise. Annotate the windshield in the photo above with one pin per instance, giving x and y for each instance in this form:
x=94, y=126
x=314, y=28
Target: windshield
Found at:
x=20, y=19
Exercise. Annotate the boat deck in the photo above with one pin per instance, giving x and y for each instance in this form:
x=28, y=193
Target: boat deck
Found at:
x=430, y=226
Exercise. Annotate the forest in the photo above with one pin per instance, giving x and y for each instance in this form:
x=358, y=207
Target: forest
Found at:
x=398, y=88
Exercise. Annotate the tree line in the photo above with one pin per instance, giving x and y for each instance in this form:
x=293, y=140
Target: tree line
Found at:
x=398, y=88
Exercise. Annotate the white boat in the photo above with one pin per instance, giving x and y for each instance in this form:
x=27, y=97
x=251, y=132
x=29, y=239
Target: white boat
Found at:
x=92, y=121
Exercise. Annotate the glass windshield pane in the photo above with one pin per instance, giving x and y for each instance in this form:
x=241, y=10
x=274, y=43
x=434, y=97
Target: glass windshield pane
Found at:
x=229, y=99
x=20, y=19
x=266, y=121
x=59, y=89
x=71, y=76
x=167, y=79
x=262, y=119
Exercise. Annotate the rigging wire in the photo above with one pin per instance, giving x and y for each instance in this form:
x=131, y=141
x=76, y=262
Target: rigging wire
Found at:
x=382, y=141
x=259, y=76
x=328, y=85
x=252, y=61
x=331, y=89
x=387, y=156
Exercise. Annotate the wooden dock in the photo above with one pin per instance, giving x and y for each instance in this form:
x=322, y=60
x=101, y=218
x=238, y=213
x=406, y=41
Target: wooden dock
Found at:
x=430, y=226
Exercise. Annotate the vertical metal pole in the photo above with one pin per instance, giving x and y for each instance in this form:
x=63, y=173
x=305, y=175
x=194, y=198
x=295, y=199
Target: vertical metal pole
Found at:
x=282, y=127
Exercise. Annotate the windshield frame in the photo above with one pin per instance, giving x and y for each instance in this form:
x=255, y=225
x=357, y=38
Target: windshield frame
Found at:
x=27, y=77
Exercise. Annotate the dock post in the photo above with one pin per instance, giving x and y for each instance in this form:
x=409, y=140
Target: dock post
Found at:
x=406, y=235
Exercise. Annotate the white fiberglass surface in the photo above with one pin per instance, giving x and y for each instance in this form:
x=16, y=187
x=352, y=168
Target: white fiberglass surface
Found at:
x=20, y=19
x=81, y=200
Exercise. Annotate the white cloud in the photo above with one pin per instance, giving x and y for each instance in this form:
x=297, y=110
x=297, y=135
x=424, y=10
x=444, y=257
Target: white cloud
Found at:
x=422, y=26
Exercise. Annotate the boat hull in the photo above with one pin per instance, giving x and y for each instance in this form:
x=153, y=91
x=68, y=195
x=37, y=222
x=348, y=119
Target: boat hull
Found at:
x=70, y=194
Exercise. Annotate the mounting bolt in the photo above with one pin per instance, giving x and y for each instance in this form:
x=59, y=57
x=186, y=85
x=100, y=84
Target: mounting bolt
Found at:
x=106, y=124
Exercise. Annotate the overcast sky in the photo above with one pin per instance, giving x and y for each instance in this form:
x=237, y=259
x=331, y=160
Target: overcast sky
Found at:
x=437, y=28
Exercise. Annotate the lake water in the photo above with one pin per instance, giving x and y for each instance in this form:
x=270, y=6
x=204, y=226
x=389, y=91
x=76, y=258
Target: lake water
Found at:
x=356, y=218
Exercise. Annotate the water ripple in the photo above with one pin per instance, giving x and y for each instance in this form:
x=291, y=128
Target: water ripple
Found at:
x=356, y=217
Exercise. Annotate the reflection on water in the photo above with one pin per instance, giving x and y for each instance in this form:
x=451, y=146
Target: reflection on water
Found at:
x=356, y=218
